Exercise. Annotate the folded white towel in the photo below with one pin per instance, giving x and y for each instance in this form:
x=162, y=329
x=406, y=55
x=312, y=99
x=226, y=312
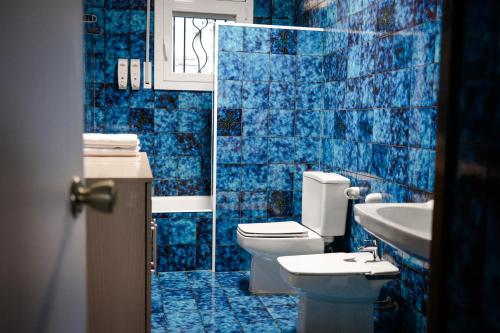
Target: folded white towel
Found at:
x=110, y=140
x=110, y=152
x=131, y=147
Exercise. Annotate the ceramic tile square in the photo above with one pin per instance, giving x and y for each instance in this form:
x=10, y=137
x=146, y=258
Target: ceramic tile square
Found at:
x=365, y=125
x=281, y=177
x=142, y=99
x=401, y=88
x=141, y=120
x=385, y=16
x=281, y=150
x=137, y=21
x=231, y=38
x=283, y=41
x=189, y=167
x=119, y=4
x=425, y=41
x=229, y=94
x=115, y=97
x=116, y=120
x=381, y=126
x=280, y=204
x=228, y=177
x=309, y=96
x=419, y=160
x=404, y=13
x=228, y=204
x=166, y=99
x=340, y=125
x=255, y=122
x=334, y=95
x=282, y=8
x=308, y=124
x=195, y=100
x=282, y=96
x=262, y=8
x=188, y=144
x=398, y=158
x=183, y=232
x=229, y=122
x=197, y=121
x=424, y=85
x=403, y=50
x=399, y=127
x=255, y=95
x=283, y=68
x=182, y=257
x=255, y=150
x=281, y=123
x=254, y=177
x=137, y=42
x=115, y=21
x=226, y=231
x=310, y=69
x=257, y=40
x=164, y=187
x=116, y=46
x=306, y=150
x=229, y=149
x=256, y=66
x=230, y=66
x=254, y=204
x=310, y=42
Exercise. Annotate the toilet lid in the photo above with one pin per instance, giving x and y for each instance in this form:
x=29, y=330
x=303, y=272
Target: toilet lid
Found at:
x=336, y=264
x=273, y=229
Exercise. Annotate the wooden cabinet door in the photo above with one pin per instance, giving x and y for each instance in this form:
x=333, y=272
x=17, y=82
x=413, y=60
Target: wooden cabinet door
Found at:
x=116, y=263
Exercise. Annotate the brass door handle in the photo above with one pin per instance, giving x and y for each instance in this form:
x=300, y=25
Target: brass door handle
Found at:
x=101, y=196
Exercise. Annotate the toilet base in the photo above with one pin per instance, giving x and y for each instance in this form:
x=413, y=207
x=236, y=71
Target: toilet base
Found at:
x=325, y=316
x=265, y=277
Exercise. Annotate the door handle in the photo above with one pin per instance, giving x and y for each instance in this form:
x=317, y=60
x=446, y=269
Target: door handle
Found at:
x=101, y=196
x=154, y=236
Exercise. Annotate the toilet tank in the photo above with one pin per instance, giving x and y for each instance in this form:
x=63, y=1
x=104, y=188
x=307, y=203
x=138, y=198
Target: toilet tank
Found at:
x=324, y=205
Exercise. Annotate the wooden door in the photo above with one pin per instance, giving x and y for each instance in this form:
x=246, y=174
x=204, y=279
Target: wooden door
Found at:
x=42, y=246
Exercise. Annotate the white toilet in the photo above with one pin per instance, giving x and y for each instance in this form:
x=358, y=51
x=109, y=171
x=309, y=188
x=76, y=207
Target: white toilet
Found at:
x=324, y=209
x=337, y=290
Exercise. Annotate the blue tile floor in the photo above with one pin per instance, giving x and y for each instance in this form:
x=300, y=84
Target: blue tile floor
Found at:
x=202, y=301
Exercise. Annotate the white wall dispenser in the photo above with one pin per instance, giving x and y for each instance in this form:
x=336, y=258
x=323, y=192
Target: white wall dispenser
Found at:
x=122, y=73
x=135, y=74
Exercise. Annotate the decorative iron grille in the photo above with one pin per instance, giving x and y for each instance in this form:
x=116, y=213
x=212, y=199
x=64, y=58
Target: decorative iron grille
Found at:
x=193, y=44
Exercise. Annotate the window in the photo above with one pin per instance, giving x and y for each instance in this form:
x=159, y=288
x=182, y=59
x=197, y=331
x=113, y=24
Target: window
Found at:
x=184, y=40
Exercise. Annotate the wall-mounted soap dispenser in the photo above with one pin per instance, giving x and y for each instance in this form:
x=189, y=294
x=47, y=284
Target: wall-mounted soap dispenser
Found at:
x=122, y=73
x=135, y=74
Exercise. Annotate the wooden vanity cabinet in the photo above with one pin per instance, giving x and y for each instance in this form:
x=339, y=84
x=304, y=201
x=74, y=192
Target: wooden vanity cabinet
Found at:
x=119, y=246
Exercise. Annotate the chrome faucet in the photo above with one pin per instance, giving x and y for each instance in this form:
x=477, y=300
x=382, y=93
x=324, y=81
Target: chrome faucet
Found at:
x=373, y=249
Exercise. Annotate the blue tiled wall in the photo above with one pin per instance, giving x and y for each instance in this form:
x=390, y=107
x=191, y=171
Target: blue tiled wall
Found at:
x=381, y=71
x=268, y=128
x=184, y=241
x=275, y=12
x=359, y=98
x=174, y=126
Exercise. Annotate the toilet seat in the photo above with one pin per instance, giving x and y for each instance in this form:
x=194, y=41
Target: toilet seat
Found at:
x=288, y=229
x=337, y=264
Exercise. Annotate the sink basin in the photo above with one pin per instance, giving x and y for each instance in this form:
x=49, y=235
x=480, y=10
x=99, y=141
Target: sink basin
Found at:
x=407, y=226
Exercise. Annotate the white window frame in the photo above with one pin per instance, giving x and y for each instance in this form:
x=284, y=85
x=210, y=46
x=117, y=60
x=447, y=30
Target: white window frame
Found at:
x=164, y=76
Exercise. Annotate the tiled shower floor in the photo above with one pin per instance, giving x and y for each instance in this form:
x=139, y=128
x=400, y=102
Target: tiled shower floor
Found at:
x=202, y=301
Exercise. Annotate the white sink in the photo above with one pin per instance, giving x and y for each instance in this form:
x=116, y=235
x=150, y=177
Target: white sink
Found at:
x=407, y=226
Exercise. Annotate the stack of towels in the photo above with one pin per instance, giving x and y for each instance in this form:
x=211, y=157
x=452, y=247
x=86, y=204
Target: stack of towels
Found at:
x=96, y=144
